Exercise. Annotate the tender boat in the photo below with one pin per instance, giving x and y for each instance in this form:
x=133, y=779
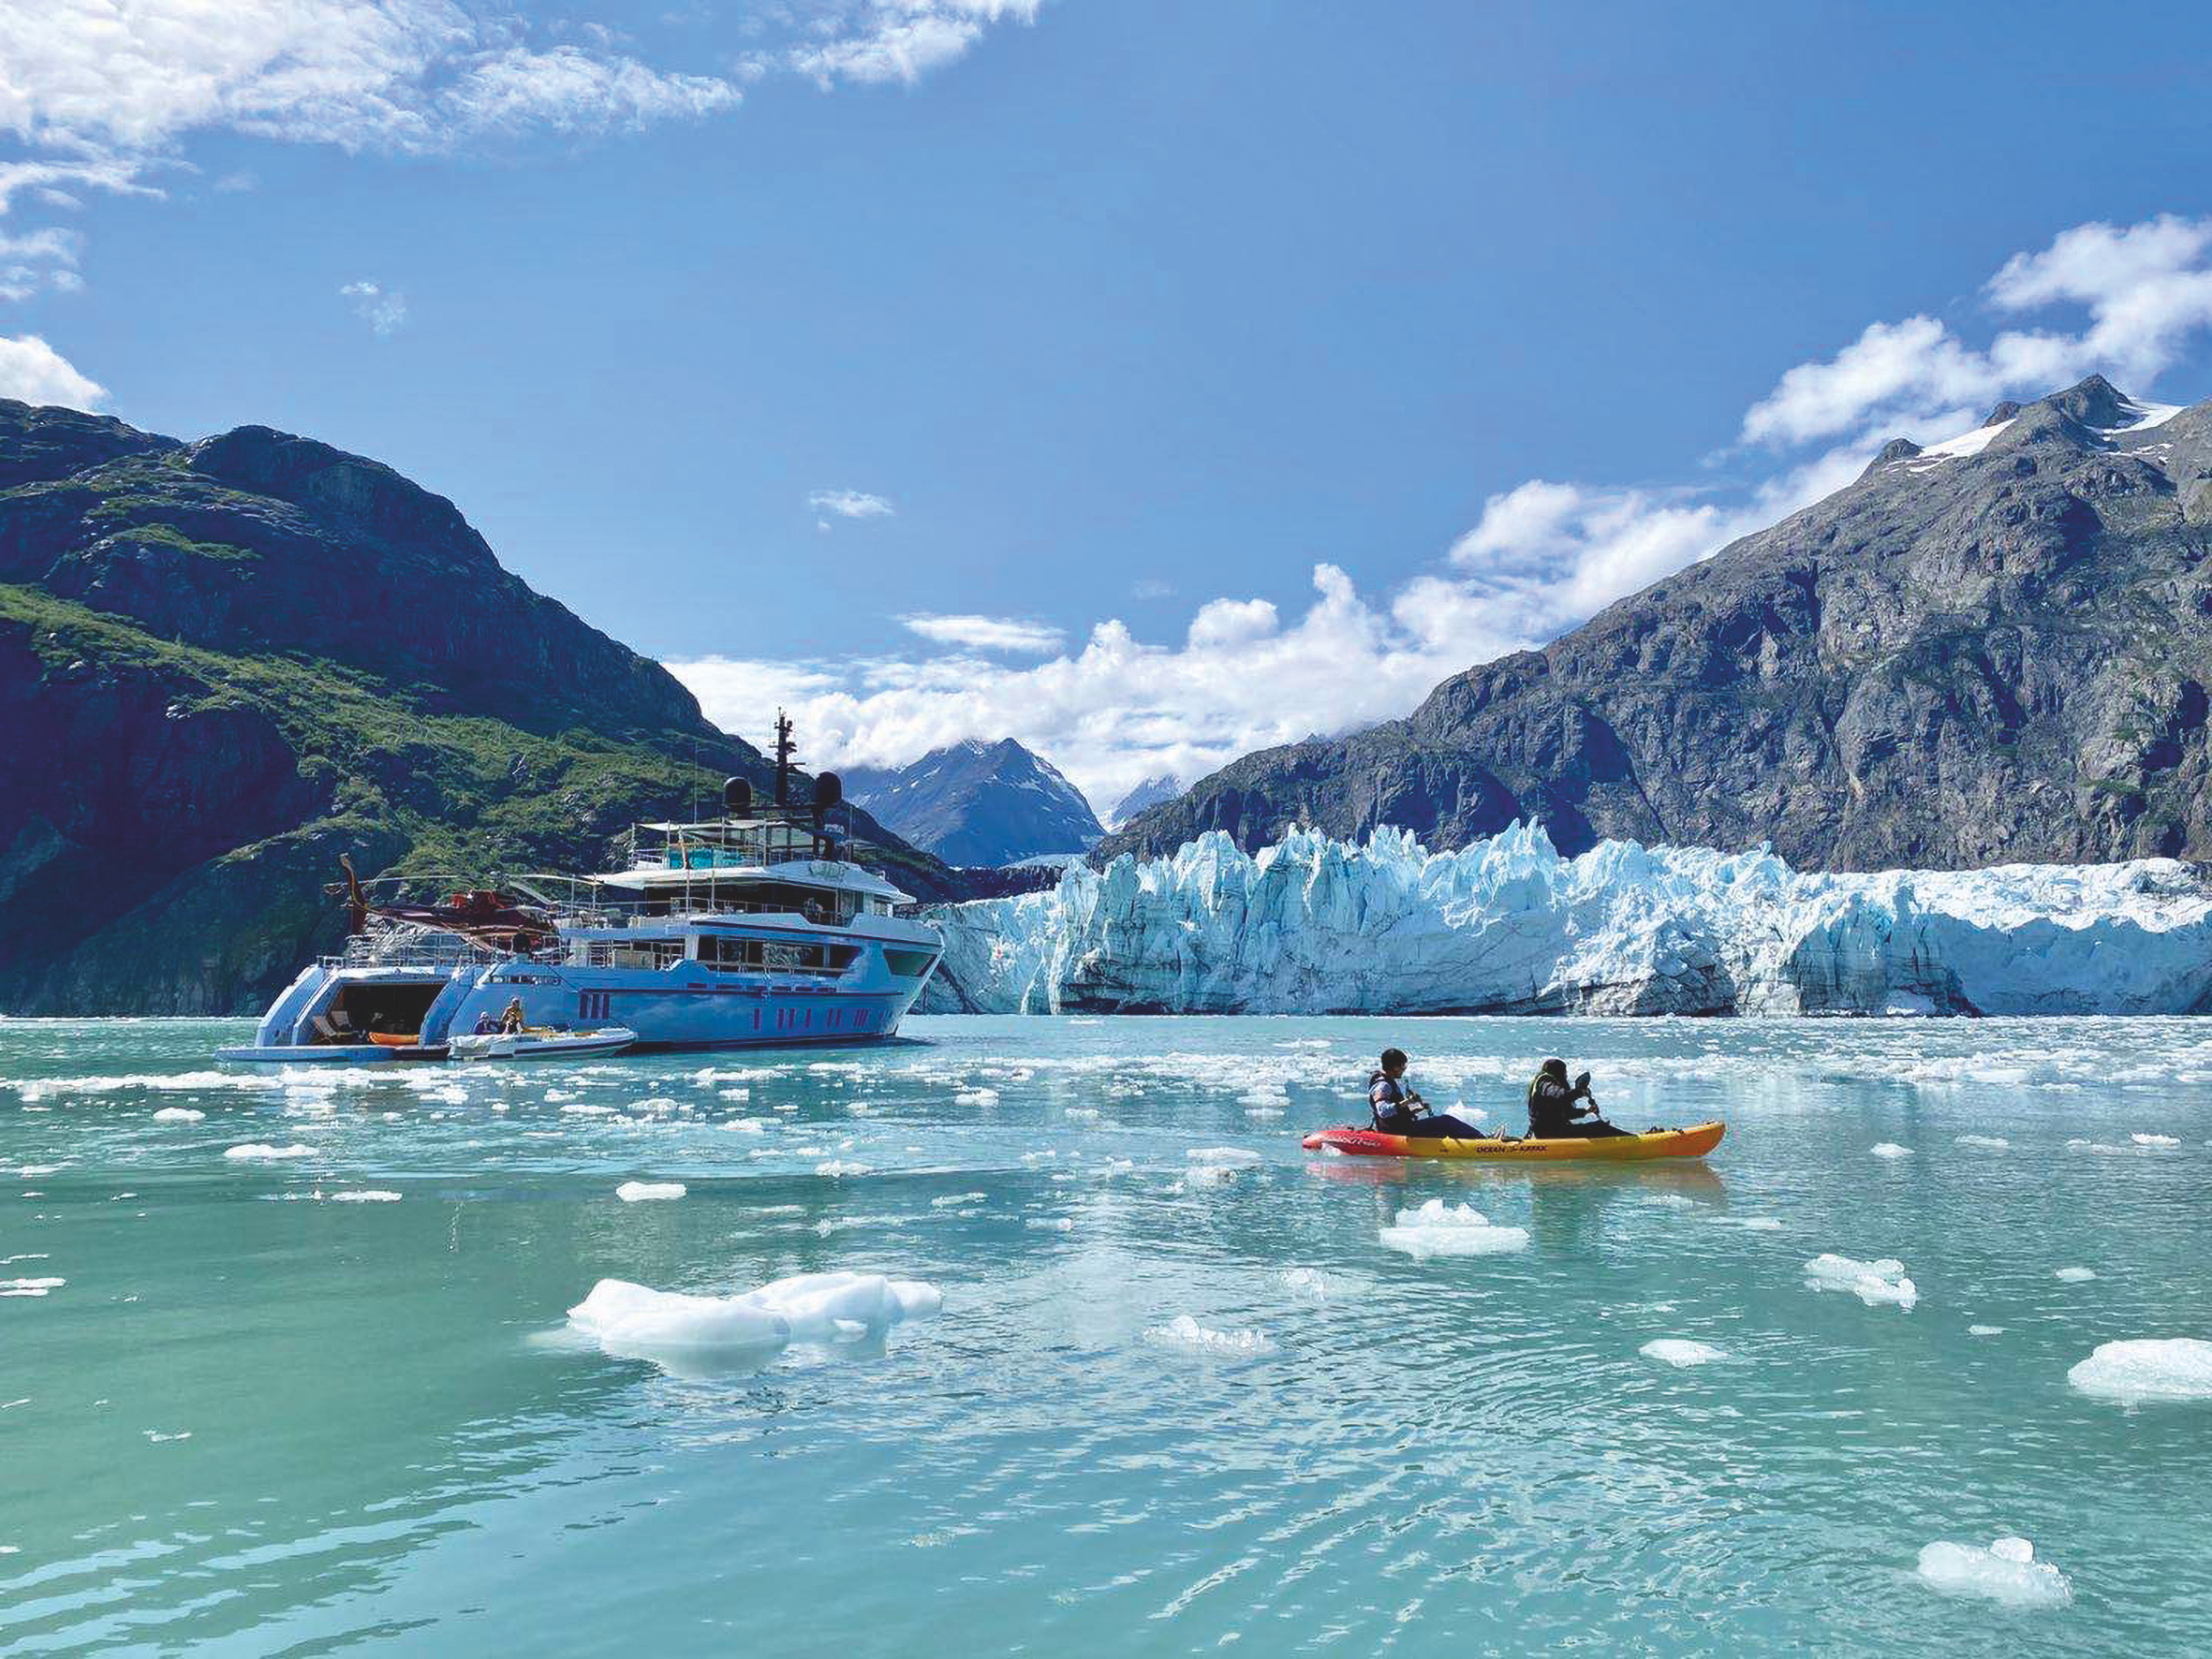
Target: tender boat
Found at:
x=541, y=1045
x=758, y=928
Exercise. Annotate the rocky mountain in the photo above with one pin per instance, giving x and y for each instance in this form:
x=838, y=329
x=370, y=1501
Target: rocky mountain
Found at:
x=1994, y=649
x=977, y=804
x=223, y=662
x=1150, y=793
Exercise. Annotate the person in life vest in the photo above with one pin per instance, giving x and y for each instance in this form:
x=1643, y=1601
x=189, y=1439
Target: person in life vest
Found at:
x=1398, y=1110
x=510, y=1019
x=1561, y=1110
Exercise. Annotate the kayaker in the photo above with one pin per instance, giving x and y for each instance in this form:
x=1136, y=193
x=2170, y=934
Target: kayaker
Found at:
x=1397, y=1111
x=1553, y=1110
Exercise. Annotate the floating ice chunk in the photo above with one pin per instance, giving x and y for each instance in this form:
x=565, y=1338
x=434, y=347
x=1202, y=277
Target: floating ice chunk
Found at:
x=178, y=1114
x=1889, y=1149
x=29, y=1287
x=1669, y=1200
x=1435, y=1229
x=1985, y=1330
x=679, y=1331
x=1061, y=1224
x=646, y=1192
x=256, y=1152
x=1183, y=1331
x=955, y=1200
x=1677, y=1350
x=1873, y=1283
x=2005, y=1572
x=587, y=1109
x=1224, y=1155
x=837, y=1168
x=366, y=1196
x=2156, y=1139
x=1307, y=1282
x=2169, y=1368
x=747, y=1125
x=2075, y=1275
x=976, y=1098
x=1996, y=1143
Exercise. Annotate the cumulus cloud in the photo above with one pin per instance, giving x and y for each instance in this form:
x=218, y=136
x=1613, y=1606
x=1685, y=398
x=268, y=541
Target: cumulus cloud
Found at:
x=850, y=504
x=33, y=372
x=2146, y=290
x=987, y=632
x=384, y=310
x=1541, y=557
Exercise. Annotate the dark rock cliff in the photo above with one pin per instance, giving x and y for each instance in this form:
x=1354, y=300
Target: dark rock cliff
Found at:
x=223, y=664
x=1963, y=658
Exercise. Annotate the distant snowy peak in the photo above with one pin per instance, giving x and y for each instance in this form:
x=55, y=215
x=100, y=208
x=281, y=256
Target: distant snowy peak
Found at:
x=1151, y=792
x=2097, y=407
x=978, y=804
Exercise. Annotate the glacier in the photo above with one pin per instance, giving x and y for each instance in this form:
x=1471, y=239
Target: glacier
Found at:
x=1314, y=925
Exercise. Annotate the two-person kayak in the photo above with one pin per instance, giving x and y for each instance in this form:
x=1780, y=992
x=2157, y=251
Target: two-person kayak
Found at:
x=1693, y=1142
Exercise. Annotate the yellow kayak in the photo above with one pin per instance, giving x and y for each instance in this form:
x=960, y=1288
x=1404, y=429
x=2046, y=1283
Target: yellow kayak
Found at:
x=1693, y=1142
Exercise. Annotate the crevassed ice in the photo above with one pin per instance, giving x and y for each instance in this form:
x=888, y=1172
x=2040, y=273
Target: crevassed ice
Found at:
x=1438, y=1229
x=1318, y=925
x=680, y=1331
x=1874, y=1283
x=2168, y=1368
x=2005, y=1572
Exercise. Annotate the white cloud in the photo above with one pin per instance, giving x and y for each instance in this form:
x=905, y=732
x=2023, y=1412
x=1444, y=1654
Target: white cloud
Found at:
x=2148, y=289
x=879, y=41
x=1542, y=557
x=850, y=504
x=383, y=310
x=33, y=372
x=986, y=633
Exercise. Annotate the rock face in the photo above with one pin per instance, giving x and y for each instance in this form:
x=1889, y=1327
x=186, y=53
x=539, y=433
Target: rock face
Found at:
x=1507, y=926
x=223, y=664
x=982, y=805
x=1991, y=649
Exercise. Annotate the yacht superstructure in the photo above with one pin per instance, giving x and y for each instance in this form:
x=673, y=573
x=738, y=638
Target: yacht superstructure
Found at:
x=755, y=928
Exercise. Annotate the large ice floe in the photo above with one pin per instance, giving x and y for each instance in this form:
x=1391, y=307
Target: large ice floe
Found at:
x=1437, y=1228
x=1315, y=925
x=701, y=1334
x=2154, y=1368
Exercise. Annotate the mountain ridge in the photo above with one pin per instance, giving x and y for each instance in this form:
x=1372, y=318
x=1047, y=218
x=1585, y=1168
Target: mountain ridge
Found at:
x=1994, y=649
x=980, y=803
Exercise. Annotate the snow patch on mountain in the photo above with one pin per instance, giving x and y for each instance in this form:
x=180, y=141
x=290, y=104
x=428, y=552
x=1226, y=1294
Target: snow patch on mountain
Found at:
x=1316, y=925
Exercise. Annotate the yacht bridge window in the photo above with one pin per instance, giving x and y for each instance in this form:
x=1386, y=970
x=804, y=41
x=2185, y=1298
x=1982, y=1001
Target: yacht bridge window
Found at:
x=773, y=956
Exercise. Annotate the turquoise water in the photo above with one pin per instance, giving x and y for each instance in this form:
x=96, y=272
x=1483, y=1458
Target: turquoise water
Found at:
x=255, y=1419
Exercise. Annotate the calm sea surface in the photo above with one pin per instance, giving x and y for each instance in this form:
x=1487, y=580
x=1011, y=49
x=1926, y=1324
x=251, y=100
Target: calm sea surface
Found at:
x=1170, y=1403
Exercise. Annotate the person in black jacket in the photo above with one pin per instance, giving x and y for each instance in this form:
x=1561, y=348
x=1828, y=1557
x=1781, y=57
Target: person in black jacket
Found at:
x=1561, y=1110
x=1398, y=1110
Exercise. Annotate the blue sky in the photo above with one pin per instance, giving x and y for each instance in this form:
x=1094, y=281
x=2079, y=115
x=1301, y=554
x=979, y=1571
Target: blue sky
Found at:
x=1143, y=380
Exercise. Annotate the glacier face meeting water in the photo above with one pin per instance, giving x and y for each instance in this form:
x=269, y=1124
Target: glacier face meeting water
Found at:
x=1043, y=1335
x=1509, y=926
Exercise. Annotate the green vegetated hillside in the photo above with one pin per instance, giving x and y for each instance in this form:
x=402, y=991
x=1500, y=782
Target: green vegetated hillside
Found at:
x=223, y=664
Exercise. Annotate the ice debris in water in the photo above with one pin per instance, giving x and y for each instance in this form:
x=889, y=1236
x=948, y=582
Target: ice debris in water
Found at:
x=256, y=1152
x=2156, y=1139
x=1985, y=1330
x=1436, y=1230
x=178, y=1114
x=1307, y=1282
x=837, y=1168
x=29, y=1287
x=2075, y=1275
x=2005, y=1572
x=1183, y=1331
x=1223, y=1155
x=645, y=1192
x=1677, y=1350
x=1212, y=1165
x=680, y=1332
x=976, y=1098
x=2169, y=1368
x=1996, y=1143
x=1872, y=1282
x=366, y=1196
x=1889, y=1149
